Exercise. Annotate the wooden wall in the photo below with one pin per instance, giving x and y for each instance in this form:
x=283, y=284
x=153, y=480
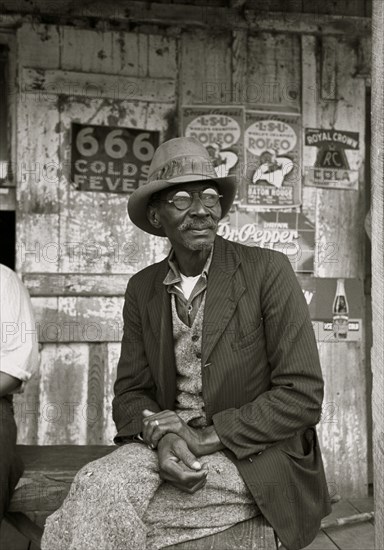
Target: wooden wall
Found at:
x=77, y=250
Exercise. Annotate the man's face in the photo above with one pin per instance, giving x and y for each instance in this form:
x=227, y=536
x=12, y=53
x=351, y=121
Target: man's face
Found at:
x=195, y=227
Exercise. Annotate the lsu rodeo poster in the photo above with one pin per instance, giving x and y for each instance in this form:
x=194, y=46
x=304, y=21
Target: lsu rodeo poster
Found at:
x=221, y=130
x=272, y=159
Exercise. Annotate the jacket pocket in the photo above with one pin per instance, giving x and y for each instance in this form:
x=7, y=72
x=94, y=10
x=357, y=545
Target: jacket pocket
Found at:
x=249, y=338
x=302, y=446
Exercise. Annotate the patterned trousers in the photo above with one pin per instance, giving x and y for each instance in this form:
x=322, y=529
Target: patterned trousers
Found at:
x=120, y=502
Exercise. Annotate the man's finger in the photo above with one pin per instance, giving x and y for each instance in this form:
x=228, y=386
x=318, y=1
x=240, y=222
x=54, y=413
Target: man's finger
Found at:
x=147, y=428
x=176, y=471
x=184, y=454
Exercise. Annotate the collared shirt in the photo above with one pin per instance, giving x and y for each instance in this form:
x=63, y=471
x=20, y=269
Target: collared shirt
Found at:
x=186, y=306
x=19, y=346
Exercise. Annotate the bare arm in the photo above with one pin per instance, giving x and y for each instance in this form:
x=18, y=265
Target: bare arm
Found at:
x=8, y=384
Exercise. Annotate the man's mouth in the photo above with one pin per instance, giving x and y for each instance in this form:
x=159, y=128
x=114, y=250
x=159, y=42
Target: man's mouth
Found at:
x=204, y=227
x=199, y=229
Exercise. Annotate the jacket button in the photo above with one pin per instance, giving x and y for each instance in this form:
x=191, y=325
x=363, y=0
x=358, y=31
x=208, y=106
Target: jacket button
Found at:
x=195, y=337
x=198, y=354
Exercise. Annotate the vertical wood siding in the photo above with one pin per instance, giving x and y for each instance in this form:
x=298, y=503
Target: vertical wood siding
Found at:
x=69, y=401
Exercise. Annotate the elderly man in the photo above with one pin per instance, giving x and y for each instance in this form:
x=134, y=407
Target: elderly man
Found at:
x=218, y=385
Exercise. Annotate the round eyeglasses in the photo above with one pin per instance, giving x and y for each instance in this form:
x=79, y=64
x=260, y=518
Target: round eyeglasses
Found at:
x=182, y=200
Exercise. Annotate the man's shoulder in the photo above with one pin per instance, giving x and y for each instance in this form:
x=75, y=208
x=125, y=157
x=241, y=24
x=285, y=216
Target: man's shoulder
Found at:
x=251, y=254
x=149, y=273
x=10, y=284
x=7, y=276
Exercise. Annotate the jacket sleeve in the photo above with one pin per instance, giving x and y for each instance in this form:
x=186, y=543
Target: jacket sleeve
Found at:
x=134, y=387
x=294, y=399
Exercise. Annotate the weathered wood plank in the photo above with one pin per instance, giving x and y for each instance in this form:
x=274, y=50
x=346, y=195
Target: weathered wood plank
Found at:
x=342, y=429
x=98, y=357
x=38, y=45
x=205, y=68
x=321, y=542
x=42, y=84
x=309, y=116
x=239, y=65
x=363, y=504
x=37, y=242
x=62, y=461
x=88, y=50
x=353, y=537
x=37, y=170
x=78, y=319
x=74, y=284
x=341, y=7
x=239, y=89
x=329, y=91
x=162, y=61
x=274, y=72
x=200, y=16
x=63, y=394
x=341, y=509
x=41, y=493
x=364, y=63
x=308, y=23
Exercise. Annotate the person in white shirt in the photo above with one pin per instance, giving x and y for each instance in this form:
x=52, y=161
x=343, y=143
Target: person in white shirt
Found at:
x=18, y=360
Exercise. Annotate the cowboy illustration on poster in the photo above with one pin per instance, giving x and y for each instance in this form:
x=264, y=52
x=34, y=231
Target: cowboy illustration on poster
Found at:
x=272, y=149
x=220, y=129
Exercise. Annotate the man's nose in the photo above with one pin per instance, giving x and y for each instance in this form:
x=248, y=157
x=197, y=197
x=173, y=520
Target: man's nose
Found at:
x=197, y=207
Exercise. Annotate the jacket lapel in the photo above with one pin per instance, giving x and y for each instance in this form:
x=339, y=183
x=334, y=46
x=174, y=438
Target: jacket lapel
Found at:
x=225, y=287
x=160, y=318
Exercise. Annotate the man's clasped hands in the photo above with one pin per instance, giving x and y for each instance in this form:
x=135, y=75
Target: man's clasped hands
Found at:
x=178, y=446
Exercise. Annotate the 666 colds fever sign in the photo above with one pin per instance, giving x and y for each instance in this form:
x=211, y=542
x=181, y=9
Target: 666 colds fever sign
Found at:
x=114, y=160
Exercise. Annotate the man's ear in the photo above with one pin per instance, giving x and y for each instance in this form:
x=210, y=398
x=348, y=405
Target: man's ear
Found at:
x=153, y=216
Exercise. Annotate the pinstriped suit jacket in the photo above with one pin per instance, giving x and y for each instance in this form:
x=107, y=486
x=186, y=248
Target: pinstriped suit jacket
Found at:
x=262, y=381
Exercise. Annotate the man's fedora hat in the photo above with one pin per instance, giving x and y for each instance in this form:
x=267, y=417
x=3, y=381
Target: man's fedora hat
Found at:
x=176, y=161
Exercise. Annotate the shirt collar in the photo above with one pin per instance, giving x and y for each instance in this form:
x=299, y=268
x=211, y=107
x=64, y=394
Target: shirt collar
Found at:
x=173, y=276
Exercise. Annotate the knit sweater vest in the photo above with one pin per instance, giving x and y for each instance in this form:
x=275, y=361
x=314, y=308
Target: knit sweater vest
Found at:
x=187, y=346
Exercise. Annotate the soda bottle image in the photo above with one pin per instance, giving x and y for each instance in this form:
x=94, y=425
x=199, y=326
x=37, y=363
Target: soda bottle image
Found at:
x=340, y=311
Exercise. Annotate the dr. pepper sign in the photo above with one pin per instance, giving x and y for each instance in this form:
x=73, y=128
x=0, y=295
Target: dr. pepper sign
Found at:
x=109, y=159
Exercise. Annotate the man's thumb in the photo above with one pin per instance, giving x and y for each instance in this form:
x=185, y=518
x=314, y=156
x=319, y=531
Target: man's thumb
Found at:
x=186, y=456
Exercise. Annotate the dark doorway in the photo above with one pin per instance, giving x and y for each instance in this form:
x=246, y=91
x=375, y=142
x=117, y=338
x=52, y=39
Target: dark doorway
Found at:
x=7, y=238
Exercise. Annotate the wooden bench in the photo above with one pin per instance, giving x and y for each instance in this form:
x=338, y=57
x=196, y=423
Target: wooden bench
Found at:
x=49, y=471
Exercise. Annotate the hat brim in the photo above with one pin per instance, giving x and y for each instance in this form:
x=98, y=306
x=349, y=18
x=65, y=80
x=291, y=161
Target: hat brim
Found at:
x=138, y=201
